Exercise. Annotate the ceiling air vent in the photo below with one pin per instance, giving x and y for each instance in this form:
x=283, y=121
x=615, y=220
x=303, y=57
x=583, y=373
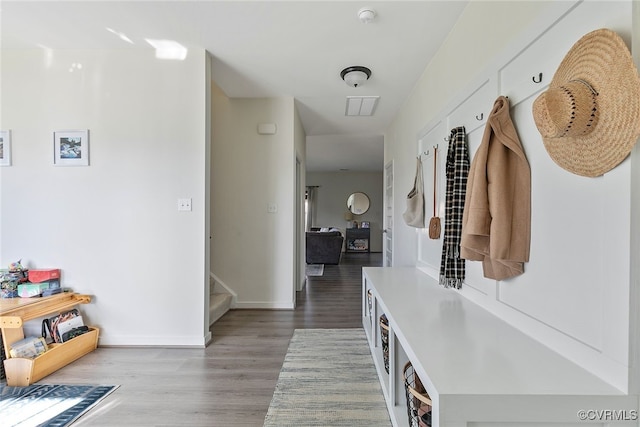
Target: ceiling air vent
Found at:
x=361, y=105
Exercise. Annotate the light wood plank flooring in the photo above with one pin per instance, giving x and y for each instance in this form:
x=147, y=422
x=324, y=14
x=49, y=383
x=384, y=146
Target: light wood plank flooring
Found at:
x=231, y=382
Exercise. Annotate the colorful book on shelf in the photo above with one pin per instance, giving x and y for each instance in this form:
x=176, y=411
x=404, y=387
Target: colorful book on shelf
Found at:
x=28, y=290
x=61, y=323
x=28, y=348
x=69, y=325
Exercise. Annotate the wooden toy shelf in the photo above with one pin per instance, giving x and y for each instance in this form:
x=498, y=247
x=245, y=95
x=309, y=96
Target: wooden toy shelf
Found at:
x=15, y=311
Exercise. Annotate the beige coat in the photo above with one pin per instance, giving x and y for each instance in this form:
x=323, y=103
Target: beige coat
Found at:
x=496, y=223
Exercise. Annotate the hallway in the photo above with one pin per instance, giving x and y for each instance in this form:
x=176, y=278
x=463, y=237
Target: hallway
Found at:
x=231, y=382
x=260, y=338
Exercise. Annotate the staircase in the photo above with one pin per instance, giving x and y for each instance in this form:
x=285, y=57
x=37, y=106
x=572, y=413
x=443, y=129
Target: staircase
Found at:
x=220, y=301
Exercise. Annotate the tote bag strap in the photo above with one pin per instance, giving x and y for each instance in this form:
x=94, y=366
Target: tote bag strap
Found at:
x=420, y=177
x=435, y=170
x=417, y=180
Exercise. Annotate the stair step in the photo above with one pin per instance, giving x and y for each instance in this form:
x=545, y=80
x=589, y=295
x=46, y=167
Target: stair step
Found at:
x=219, y=304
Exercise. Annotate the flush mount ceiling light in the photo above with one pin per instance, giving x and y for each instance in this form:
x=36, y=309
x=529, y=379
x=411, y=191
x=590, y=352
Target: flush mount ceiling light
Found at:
x=361, y=105
x=366, y=15
x=355, y=75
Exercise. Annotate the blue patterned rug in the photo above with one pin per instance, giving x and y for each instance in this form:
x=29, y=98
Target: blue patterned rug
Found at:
x=48, y=405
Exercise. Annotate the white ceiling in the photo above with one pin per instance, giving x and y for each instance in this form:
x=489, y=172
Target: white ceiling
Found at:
x=269, y=49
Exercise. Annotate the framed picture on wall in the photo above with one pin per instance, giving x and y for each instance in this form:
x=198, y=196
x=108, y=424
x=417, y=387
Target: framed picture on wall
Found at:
x=365, y=224
x=5, y=148
x=71, y=148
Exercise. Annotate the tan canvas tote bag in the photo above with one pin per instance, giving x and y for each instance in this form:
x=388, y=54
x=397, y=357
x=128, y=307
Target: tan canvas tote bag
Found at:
x=414, y=215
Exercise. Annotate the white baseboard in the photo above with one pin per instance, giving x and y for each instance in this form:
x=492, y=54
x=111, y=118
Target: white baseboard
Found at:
x=153, y=341
x=272, y=305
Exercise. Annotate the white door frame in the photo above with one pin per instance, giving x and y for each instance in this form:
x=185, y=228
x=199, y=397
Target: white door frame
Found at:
x=387, y=230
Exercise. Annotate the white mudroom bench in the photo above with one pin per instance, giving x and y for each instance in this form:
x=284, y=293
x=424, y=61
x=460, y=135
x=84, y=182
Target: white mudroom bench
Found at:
x=478, y=370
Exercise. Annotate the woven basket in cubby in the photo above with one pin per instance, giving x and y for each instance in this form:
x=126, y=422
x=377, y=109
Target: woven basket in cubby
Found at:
x=384, y=338
x=418, y=401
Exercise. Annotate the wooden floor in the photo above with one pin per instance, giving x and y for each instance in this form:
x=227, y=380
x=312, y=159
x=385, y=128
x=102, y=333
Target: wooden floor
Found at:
x=231, y=382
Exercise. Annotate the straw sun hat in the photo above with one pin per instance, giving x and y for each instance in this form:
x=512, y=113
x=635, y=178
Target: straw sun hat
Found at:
x=589, y=117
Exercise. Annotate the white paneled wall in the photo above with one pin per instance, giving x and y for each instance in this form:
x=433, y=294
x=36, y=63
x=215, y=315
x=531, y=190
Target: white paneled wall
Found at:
x=574, y=293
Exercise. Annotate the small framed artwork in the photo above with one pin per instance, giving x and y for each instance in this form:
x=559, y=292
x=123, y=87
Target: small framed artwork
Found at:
x=71, y=148
x=5, y=148
x=365, y=224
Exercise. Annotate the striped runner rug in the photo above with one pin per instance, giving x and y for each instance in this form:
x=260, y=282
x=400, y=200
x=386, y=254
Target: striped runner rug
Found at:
x=315, y=269
x=328, y=379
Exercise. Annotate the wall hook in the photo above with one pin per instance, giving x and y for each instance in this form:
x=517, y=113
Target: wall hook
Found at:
x=480, y=118
x=539, y=78
x=446, y=138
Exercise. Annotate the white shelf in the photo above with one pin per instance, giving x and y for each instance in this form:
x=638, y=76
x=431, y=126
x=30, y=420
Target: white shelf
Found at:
x=475, y=366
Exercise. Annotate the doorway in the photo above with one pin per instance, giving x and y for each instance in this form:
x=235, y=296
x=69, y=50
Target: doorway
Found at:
x=388, y=215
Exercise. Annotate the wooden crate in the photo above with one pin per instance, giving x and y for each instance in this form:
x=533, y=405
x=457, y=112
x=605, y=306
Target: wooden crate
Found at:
x=2, y=357
x=22, y=372
x=14, y=312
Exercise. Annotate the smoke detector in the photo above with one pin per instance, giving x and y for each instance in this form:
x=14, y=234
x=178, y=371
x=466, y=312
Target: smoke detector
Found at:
x=355, y=75
x=366, y=15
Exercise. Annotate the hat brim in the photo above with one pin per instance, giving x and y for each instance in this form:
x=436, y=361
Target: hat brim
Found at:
x=602, y=59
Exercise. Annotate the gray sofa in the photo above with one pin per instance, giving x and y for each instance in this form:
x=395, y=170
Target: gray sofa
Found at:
x=323, y=247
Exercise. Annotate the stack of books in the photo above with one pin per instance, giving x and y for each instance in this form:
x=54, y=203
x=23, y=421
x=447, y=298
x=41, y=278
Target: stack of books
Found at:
x=65, y=326
x=41, y=282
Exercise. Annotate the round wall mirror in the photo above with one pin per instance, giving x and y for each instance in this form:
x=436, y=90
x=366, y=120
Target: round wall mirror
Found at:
x=358, y=203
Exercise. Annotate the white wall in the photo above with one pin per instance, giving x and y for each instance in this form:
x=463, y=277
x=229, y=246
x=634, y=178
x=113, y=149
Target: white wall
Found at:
x=335, y=188
x=574, y=295
x=112, y=227
x=483, y=30
x=252, y=250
